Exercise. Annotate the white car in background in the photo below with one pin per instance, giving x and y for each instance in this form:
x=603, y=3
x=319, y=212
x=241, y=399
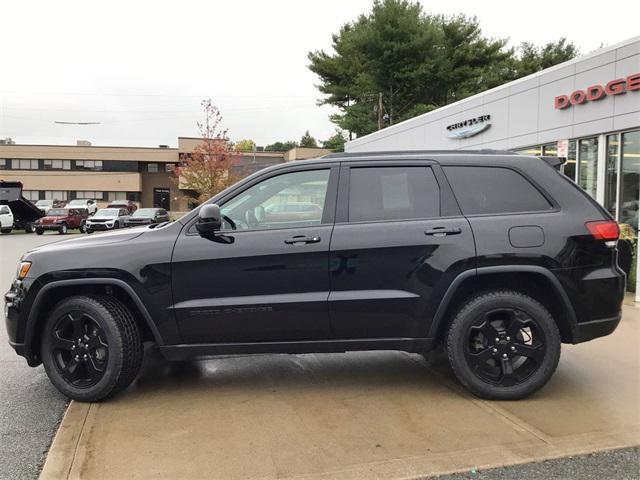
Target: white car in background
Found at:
x=108, y=219
x=88, y=203
x=6, y=219
x=44, y=205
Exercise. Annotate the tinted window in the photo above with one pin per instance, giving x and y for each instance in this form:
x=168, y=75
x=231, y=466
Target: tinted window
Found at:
x=392, y=193
x=494, y=190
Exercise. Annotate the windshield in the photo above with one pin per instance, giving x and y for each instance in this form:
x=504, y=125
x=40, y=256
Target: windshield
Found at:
x=60, y=212
x=108, y=212
x=144, y=212
x=77, y=203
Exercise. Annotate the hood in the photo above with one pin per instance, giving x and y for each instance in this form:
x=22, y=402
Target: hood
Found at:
x=55, y=218
x=96, y=217
x=115, y=236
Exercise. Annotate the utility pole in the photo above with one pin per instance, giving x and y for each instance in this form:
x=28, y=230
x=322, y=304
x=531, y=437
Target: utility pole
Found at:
x=380, y=111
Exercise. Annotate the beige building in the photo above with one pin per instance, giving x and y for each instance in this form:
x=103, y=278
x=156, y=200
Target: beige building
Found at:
x=144, y=175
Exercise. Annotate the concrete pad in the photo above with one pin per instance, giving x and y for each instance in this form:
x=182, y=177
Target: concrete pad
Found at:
x=357, y=415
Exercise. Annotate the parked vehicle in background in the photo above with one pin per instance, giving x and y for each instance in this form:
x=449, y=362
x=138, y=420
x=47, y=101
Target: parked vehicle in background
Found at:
x=90, y=204
x=496, y=256
x=128, y=204
x=147, y=216
x=24, y=212
x=291, y=212
x=62, y=220
x=107, y=219
x=6, y=219
x=46, y=205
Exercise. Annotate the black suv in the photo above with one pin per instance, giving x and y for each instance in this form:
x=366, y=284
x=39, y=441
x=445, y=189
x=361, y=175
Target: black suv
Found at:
x=496, y=256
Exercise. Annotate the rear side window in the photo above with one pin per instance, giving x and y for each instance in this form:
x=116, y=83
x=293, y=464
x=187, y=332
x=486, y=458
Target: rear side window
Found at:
x=486, y=190
x=392, y=193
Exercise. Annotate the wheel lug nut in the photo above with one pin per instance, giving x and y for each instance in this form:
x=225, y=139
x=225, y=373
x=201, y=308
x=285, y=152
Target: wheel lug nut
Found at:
x=508, y=339
x=497, y=339
x=77, y=357
x=495, y=350
x=504, y=355
x=513, y=349
x=73, y=347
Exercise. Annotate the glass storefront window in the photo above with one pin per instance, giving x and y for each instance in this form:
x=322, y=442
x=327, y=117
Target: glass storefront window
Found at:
x=630, y=184
x=588, y=169
x=550, y=149
x=569, y=168
x=611, y=178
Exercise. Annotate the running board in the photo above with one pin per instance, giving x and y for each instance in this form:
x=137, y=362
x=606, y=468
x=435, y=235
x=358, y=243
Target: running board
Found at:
x=186, y=351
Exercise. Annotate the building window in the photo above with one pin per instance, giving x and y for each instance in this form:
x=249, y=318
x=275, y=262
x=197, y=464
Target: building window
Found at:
x=550, y=149
x=168, y=167
x=90, y=195
x=5, y=163
x=569, y=168
x=630, y=179
x=57, y=164
x=31, y=195
x=27, y=164
x=588, y=164
x=55, y=195
x=111, y=196
x=88, y=164
x=152, y=168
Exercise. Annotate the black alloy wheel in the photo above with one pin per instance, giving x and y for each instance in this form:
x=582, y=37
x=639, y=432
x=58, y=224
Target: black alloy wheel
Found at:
x=505, y=346
x=80, y=349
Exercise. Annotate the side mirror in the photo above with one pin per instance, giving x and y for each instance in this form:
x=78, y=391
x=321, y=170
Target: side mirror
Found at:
x=209, y=219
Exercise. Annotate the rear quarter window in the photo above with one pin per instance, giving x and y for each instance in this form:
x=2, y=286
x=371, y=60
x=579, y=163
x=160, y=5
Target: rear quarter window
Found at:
x=494, y=190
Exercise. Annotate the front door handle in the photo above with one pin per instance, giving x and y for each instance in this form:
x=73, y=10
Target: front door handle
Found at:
x=442, y=231
x=301, y=239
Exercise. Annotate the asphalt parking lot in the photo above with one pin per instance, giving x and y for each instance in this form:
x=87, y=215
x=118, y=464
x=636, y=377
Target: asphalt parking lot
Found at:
x=30, y=408
x=354, y=415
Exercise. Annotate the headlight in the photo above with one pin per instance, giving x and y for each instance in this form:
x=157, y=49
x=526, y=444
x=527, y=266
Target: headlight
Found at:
x=23, y=269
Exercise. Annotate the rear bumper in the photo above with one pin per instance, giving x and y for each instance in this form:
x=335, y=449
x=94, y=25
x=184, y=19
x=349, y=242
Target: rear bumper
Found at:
x=586, y=331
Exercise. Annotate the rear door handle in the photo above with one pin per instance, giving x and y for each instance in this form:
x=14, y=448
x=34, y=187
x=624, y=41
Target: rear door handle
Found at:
x=442, y=231
x=301, y=239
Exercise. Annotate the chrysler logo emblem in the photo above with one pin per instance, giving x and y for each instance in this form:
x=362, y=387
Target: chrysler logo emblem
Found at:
x=469, y=128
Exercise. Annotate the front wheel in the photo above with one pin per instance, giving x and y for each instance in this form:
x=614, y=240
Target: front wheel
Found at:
x=39, y=231
x=503, y=345
x=83, y=227
x=63, y=229
x=29, y=228
x=91, y=347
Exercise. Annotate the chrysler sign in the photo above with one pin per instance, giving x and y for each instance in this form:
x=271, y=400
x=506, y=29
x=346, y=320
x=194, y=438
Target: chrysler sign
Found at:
x=469, y=128
x=598, y=92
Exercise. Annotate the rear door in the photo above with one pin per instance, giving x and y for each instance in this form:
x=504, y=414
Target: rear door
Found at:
x=398, y=242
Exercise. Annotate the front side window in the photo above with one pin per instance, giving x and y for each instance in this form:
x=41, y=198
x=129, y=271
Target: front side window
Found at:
x=289, y=200
x=392, y=193
x=494, y=190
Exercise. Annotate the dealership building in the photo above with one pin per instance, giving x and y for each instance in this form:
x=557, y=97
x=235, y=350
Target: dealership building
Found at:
x=104, y=173
x=586, y=109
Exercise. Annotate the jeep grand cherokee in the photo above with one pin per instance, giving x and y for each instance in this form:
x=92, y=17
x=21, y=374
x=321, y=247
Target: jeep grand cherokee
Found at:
x=496, y=256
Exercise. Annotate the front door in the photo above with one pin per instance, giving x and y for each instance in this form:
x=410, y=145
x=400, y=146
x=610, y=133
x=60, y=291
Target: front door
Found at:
x=398, y=242
x=264, y=276
x=161, y=198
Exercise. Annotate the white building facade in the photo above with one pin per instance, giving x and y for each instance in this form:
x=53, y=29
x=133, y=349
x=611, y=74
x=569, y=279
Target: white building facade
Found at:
x=586, y=109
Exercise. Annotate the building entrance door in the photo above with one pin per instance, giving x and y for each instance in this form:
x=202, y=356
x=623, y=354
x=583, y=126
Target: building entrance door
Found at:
x=161, y=198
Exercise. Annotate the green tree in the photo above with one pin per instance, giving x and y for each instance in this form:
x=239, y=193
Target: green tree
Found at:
x=245, y=145
x=307, y=141
x=335, y=142
x=396, y=62
x=532, y=59
x=280, y=146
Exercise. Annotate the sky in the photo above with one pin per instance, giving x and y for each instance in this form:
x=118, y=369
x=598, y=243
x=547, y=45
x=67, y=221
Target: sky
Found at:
x=141, y=68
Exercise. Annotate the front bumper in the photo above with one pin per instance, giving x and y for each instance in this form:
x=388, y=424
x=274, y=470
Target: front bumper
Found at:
x=48, y=226
x=13, y=300
x=99, y=226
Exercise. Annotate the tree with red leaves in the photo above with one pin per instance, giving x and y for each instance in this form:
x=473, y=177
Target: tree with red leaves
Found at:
x=207, y=170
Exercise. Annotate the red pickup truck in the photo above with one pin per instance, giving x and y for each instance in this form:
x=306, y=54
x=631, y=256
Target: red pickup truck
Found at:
x=62, y=219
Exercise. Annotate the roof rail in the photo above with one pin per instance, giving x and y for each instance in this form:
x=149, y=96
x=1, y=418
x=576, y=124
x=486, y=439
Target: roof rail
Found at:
x=418, y=152
x=555, y=162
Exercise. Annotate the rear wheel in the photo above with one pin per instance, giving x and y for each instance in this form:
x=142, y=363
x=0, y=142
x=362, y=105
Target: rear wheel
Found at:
x=29, y=228
x=63, y=229
x=91, y=347
x=6, y=230
x=503, y=345
x=39, y=231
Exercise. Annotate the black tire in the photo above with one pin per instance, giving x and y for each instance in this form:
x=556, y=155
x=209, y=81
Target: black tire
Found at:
x=106, y=322
x=6, y=230
x=39, y=231
x=62, y=230
x=89, y=231
x=29, y=228
x=493, y=363
x=83, y=227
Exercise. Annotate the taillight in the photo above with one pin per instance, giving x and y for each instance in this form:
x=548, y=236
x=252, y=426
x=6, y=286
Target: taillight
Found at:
x=606, y=230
